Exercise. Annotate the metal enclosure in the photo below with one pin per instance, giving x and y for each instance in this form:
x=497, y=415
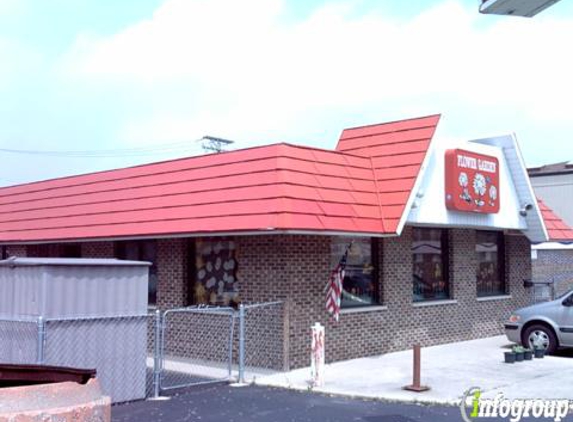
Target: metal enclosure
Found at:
x=94, y=313
x=526, y=8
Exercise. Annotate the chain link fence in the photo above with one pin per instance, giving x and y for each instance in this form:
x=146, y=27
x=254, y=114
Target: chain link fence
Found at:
x=19, y=341
x=265, y=337
x=196, y=346
x=139, y=356
x=117, y=347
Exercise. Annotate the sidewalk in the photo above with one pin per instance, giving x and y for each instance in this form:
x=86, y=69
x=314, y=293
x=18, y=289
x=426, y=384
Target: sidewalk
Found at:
x=450, y=370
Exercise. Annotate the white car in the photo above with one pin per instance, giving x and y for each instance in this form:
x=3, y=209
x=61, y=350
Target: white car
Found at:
x=547, y=325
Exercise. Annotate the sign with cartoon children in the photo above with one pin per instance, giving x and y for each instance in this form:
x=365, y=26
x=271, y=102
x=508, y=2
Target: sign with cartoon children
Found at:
x=472, y=182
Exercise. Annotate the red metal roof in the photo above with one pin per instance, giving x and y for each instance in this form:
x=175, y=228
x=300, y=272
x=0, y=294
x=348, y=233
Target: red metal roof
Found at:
x=557, y=229
x=275, y=187
x=363, y=187
x=397, y=151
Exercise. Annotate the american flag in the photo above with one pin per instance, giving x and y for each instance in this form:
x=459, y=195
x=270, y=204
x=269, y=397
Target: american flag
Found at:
x=334, y=288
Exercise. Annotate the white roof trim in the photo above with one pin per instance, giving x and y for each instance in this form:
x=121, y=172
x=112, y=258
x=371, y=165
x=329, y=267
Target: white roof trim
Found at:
x=552, y=246
x=536, y=230
x=200, y=234
x=417, y=183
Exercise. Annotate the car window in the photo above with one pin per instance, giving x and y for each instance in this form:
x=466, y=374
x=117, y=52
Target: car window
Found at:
x=564, y=294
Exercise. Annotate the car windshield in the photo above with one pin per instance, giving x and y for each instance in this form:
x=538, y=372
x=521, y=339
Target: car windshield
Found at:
x=564, y=294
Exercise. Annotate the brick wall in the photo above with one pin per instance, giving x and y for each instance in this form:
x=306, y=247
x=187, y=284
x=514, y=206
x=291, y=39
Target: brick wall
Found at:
x=97, y=250
x=288, y=268
x=300, y=265
x=46, y=250
x=17, y=250
x=554, y=265
x=172, y=273
x=295, y=269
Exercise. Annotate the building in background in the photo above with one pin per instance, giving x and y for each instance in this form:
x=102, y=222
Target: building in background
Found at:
x=438, y=233
x=553, y=184
x=553, y=261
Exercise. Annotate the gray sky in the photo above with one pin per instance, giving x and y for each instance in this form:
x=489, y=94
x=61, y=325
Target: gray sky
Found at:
x=106, y=75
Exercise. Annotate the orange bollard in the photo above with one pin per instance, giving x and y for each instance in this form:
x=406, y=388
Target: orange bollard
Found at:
x=416, y=385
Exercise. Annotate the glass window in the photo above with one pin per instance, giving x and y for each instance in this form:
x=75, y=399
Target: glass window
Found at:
x=360, y=284
x=141, y=250
x=71, y=250
x=215, y=273
x=490, y=271
x=430, y=272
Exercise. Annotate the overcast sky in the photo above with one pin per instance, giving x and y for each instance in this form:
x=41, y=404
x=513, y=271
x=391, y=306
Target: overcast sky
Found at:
x=108, y=75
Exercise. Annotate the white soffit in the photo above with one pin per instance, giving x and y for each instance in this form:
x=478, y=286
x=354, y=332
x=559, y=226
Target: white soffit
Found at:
x=536, y=230
x=429, y=206
x=553, y=246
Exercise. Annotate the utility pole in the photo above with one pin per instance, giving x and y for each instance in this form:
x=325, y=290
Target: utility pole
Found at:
x=213, y=144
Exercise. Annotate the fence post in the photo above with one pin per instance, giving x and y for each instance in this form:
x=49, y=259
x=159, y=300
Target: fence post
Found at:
x=231, y=338
x=41, y=338
x=241, y=344
x=286, y=335
x=157, y=354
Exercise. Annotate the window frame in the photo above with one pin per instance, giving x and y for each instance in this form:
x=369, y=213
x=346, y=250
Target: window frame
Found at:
x=192, y=270
x=191, y=249
x=71, y=250
x=378, y=296
x=500, y=242
x=445, y=254
x=120, y=252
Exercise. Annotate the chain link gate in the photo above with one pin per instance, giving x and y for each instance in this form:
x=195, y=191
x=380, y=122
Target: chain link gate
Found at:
x=193, y=346
x=144, y=355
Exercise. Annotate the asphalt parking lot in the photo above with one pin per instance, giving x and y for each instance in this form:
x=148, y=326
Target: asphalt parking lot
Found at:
x=223, y=403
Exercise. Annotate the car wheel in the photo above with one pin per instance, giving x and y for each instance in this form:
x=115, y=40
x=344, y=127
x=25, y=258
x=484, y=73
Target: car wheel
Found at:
x=539, y=335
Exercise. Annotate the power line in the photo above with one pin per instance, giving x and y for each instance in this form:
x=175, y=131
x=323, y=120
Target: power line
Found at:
x=121, y=152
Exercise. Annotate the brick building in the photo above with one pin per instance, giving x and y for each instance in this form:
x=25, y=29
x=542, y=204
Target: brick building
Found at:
x=438, y=235
x=553, y=261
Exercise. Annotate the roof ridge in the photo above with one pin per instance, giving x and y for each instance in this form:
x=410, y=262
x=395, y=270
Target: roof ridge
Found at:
x=394, y=121
x=382, y=221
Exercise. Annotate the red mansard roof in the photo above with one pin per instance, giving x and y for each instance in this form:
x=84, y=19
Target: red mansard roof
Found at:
x=397, y=151
x=557, y=229
x=362, y=188
x=272, y=188
x=276, y=187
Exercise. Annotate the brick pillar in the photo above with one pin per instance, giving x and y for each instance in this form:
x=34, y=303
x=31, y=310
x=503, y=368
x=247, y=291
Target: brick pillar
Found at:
x=17, y=250
x=518, y=267
x=172, y=273
x=97, y=250
x=45, y=250
x=463, y=266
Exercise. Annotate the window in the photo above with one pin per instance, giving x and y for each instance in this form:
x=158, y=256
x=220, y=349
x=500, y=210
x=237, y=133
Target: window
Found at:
x=141, y=250
x=360, y=284
x=3, y=252
x=71, y=250
x=490, y=252
x=431, y=270
x=214, y=275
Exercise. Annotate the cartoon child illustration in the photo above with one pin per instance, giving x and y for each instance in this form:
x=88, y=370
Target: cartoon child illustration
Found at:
x=480, y=187
x=463, y=180
x=492, y=195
